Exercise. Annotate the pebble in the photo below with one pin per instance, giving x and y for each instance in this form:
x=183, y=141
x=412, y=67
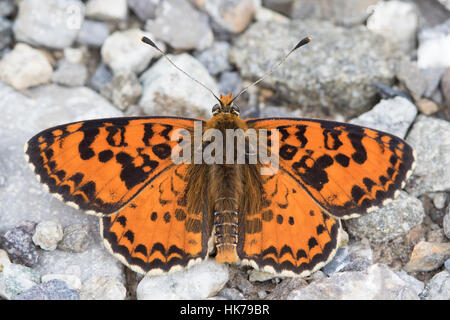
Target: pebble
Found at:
x=445, y=87
x=446, y=223
x=201, y=281
x=93, y=33
x=75, y=239
x=70, y=74
x=378, y=282
x=144, y=9
x=101, y=77
x=106, y=10
x=25, y=67
x=430, y=138
x=231, y=294
x=447, y=265
x=432, y=76
x=4, y=259
x=398, y=21
x=392, y=115
x=166, y=91
x=48, y=234
x=409, y=74
x=72, y=281
x=124, y=51
x=6, y=8
x=338, y=263
x=438, y=288
x=15, y=279
x=49, y=23
x=284, y=289
x=360, y=256
x=428, y=256
x=215, y=58
x=395, y=219
x=50, y=290
x=434, y=47
x=102, y=288
x=76, y=55
x=5, y=33
x=427, y=106
x=265, y=14
x=230, y=82
x=124, y=90
x=439, y=200
x=178, y=24
x=261, y=276
x=19, y=245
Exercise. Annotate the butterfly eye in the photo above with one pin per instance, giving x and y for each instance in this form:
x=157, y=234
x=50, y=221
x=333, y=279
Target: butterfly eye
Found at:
x=235, y=109
x=215, y=109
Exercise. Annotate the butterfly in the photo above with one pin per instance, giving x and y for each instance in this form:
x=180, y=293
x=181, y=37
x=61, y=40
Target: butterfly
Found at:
x=159, y=216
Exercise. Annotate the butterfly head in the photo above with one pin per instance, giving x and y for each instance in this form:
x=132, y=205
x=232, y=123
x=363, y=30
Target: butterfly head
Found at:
x=225, y=105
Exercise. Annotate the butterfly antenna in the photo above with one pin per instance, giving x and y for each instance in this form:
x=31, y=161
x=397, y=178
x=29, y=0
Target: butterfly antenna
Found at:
x=150, y=42
x=300, y=44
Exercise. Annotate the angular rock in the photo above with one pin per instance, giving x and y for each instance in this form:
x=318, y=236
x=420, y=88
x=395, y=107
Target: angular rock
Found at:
x=434, y=47
x=178, y=24
x=342, y=12
x=215, y=58
x=49, y=23
x=124, y=51
x=70, y=74
x=93, y=33
x=144, y=9
x=438, y=288
x=427, y=107
x=430, y=138
x=5, y=33
x=75, y=239
x=107, y=10
x=398, y=21
x=15, y=279
x=360, y=256
x=19, y=244
x=340, y=78
x=101, y=77
x=338, y=263
x=264, y=14
x=166, y=91
x=124, y=90
x=409, y=74
x=48, y=234
x=428, y=256
x=394, y=116
x=102, y=288
x=395, y=219
x=51, y=290
x=282, y=6
x=25, y=67
x=71, y=280
x=198, y=282
x=432, y=77
x=231, y=294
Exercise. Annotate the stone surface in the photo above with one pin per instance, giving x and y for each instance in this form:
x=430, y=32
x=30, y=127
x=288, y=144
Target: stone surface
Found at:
x=75, y=239
x=124, y=90
x=101, y=77
x=71, y=280
x=166, y=91
x=230, y=82
x=395, y=219
x=336, y=72
x=398, y=21
x=93, y=33
x=360, y=256
x=15, y=279
x=19, y=244
x=198, y=282
x=409, y=74
x=215, y=58
x=102, y=288
x=4, y=259
x=430, y=138
x=70, y=74
x=432, y=77
x=144, y=9
x=48, y=234
x=264, y=14
x=107, y=10
x=341, y=12
x=428, y=256
x=394, y=116
x=427, y=107
x=51, y=290
x=124, y=51
x=49, y=23
x=438, y=288
x=25, y=67
x=178, y=24
x=378, y=282
x=446, y=223
x=338, y=263
x=445, y=86
x=6, y=8
x=434, y=47
x=5, y=33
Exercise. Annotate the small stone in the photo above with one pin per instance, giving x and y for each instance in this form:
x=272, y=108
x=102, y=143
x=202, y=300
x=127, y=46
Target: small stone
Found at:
x=408, y=73
x=427, y=107
x=102, y=288
x=432, y=77
x=398, y=21
x=446, y=223
x=284, y=289
x=201, y=281
x=71, y=280
x=19, y=244
x=5, y=33
x=181, y=26
x=360, y=256
x=447, y=264
x=230, y=82
x=75, y=239
x=124, y=90
x=70, y=74
x=4, y=259
x=338, y=263
x=434, y=47
x=101, y=77
x=124, y=51
x=261, y=276
x=25, y=67
x=51, y=290
x=439, y=200
x=438, y=288
x=76, y=55
x=93, y=33
x=144, y=9
x=445, y=86
x=48, y=234
x=49, y=23
x=166, y=91
x=107, y=10
x=428, y=256
x=231, y=294
x=6, y=8
x=215, y=58
x=265, y=14
x=15, y=279
x=414, y=284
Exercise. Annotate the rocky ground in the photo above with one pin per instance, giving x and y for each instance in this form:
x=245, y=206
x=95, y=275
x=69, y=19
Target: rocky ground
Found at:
x=382, y=64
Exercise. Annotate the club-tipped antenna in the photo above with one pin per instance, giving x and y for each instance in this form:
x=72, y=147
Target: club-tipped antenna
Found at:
x=300, y=44
x=150, y=42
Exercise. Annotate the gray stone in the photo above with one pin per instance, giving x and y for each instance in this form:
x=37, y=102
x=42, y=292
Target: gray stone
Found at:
x=124, y=90
x=414, y=284
x=18, y=243
x=71, y=280
x=107, y=10
x=395, y=219
x=282, y=6
x=201, y=281
x=360, y=256
x=102, y=288
x=70, y=74
x=439, y=200
x=6, y=8
x=342, y=12
x=394, y=116
x=230, y=82
x=5, y=33
x=445, y=3
x=215, y=58
x=231, y=294
x=51, y=290
x=336, y=71
x=428, y=256
x=432, y=77
x=408, y=73
x=434, y=47
x=166, y=91
x=438, y=288
x=93, y=33
x=101, y=77
x=75, y=239
x=48, y=234
x=181, y=26
x=264, y=14
x=25, y=67
x=430, y=138
x=49, y=23
x=15, y=279
x=447, y=265
x=144, y=9
x=446, y=223
x=378, y=282
x=445, y=87
x=338, y=263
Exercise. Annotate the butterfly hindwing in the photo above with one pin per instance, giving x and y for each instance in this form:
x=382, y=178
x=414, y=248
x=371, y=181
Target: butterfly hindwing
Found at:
x=347, y=169
x=100, y=165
